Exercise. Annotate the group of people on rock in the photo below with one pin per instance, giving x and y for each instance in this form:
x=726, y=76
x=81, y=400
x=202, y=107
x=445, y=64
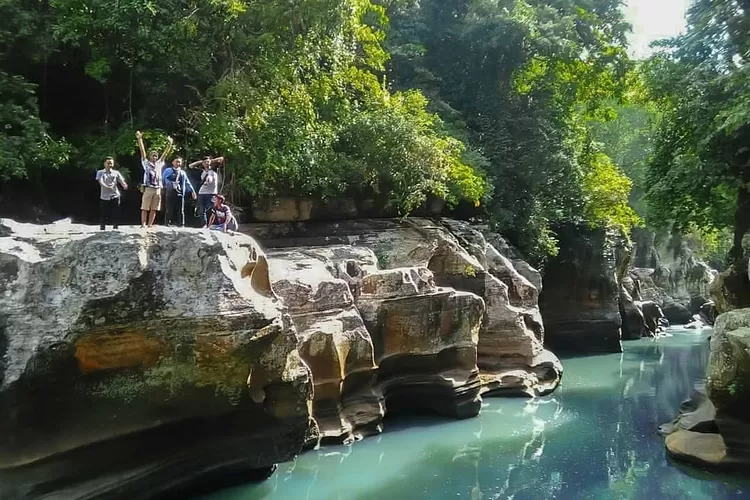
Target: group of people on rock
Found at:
x=168, y=185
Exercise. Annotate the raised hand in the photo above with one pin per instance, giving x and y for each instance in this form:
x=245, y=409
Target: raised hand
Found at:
x=139, y=134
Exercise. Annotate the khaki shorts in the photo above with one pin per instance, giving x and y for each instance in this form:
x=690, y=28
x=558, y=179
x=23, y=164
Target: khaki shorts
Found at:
x=151, y=199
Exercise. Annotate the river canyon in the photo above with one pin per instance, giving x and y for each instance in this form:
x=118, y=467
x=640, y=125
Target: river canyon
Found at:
x=324, y=360
x=594, y=438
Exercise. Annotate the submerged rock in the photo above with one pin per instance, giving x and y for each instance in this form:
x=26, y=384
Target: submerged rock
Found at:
x=714, y=431
x=136, y=363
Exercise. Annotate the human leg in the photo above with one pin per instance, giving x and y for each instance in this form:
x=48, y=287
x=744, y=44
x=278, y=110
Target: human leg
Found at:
x=115, y=213
x=146, y=201
x=204, y=201
x=155, y=206
x=180, y=208
x=170, y=197
x=103, y=208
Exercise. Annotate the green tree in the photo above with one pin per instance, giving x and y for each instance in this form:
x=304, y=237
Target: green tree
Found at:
x=521, y=80
x=700, y=170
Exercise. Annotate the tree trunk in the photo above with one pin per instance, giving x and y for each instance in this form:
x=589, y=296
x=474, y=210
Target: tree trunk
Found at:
x=741, y=220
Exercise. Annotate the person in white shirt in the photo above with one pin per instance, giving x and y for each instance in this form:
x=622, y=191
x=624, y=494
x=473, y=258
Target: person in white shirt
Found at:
x=152, y=181
x=209, y=186
x=109, y=196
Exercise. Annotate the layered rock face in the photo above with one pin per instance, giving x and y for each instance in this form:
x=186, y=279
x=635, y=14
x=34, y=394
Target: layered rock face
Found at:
x=714, y=431
x=580, y=300
x=640, y=318
x=378, y=340
x=511, y=357
x=137, y=363
x=674, y=279
x=731, y=290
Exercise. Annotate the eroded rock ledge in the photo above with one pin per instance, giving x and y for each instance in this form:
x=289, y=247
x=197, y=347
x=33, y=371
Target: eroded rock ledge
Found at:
x=133, y=363
x=510, y=353
x=137, y=363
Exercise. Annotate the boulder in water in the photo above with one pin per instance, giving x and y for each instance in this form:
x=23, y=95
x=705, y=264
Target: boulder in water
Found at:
x=676, y=313
x=715, y=431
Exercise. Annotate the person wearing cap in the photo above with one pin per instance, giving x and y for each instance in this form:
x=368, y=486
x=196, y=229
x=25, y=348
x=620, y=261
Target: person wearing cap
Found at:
x=221, y=216
x=209, y=186
x=152, y=181
x=109, y=195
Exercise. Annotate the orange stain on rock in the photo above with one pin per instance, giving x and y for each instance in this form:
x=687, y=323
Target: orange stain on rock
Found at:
x=99, y=352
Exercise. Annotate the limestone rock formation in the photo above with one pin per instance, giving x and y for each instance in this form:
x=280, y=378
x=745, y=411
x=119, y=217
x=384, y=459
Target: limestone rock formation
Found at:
x=135, y=363
x=378, y=340
x=580, y=301
x=672, y=276
x=731, y=290
x=511, y=355
x=714, y=431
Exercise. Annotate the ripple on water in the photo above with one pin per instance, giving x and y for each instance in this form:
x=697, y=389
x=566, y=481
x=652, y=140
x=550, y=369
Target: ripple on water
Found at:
x=595, y=438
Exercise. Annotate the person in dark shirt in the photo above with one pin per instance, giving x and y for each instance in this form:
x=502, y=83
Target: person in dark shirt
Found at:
x=176, y=186
x=221, y=216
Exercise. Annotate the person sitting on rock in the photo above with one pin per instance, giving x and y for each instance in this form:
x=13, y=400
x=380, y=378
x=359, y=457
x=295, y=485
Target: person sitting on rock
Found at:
x=152, y=181
x=109, y=196
x=221, y=216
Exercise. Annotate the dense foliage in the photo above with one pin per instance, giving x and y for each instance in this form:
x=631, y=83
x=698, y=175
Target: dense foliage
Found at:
x=699, y=175
x=528, y=112
x=520, y=81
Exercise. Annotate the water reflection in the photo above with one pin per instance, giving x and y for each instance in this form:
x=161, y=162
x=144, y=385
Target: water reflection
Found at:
x=594, y=438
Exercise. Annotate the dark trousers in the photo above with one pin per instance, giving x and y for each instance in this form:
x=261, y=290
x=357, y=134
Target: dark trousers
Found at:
x=109, y=213
x=174, y=213
x=204, y=204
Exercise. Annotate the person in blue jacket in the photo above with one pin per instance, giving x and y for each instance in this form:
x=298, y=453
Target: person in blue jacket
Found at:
x=176, y=186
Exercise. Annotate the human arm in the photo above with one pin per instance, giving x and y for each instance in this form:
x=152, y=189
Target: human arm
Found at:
x=121, y=180
x=219, y=159
x=227, y=217
x=100, y=179
x=195, y=164
x=168, y=149
x=211, y=219
x=139, y=137
x=189, y=186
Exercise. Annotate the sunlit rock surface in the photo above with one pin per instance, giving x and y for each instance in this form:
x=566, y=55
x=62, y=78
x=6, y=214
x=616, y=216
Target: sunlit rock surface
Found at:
x=138, y=362
x=714, y=431
x=511, y=357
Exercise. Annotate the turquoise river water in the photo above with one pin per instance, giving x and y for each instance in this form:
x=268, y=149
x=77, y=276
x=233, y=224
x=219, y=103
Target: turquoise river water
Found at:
x=594, y=438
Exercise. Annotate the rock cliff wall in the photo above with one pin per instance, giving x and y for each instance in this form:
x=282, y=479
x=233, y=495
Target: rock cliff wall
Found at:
x=378, y=340
x=140, y=363
x=580, y=298
x=135, y=363
x=672, y=277
x=510, y=351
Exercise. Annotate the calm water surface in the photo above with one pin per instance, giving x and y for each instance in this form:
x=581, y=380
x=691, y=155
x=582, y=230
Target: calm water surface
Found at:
x=595, y=438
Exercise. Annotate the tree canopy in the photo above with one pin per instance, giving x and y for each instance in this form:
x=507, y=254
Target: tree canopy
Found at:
x=528, y=112
x=700, y=170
